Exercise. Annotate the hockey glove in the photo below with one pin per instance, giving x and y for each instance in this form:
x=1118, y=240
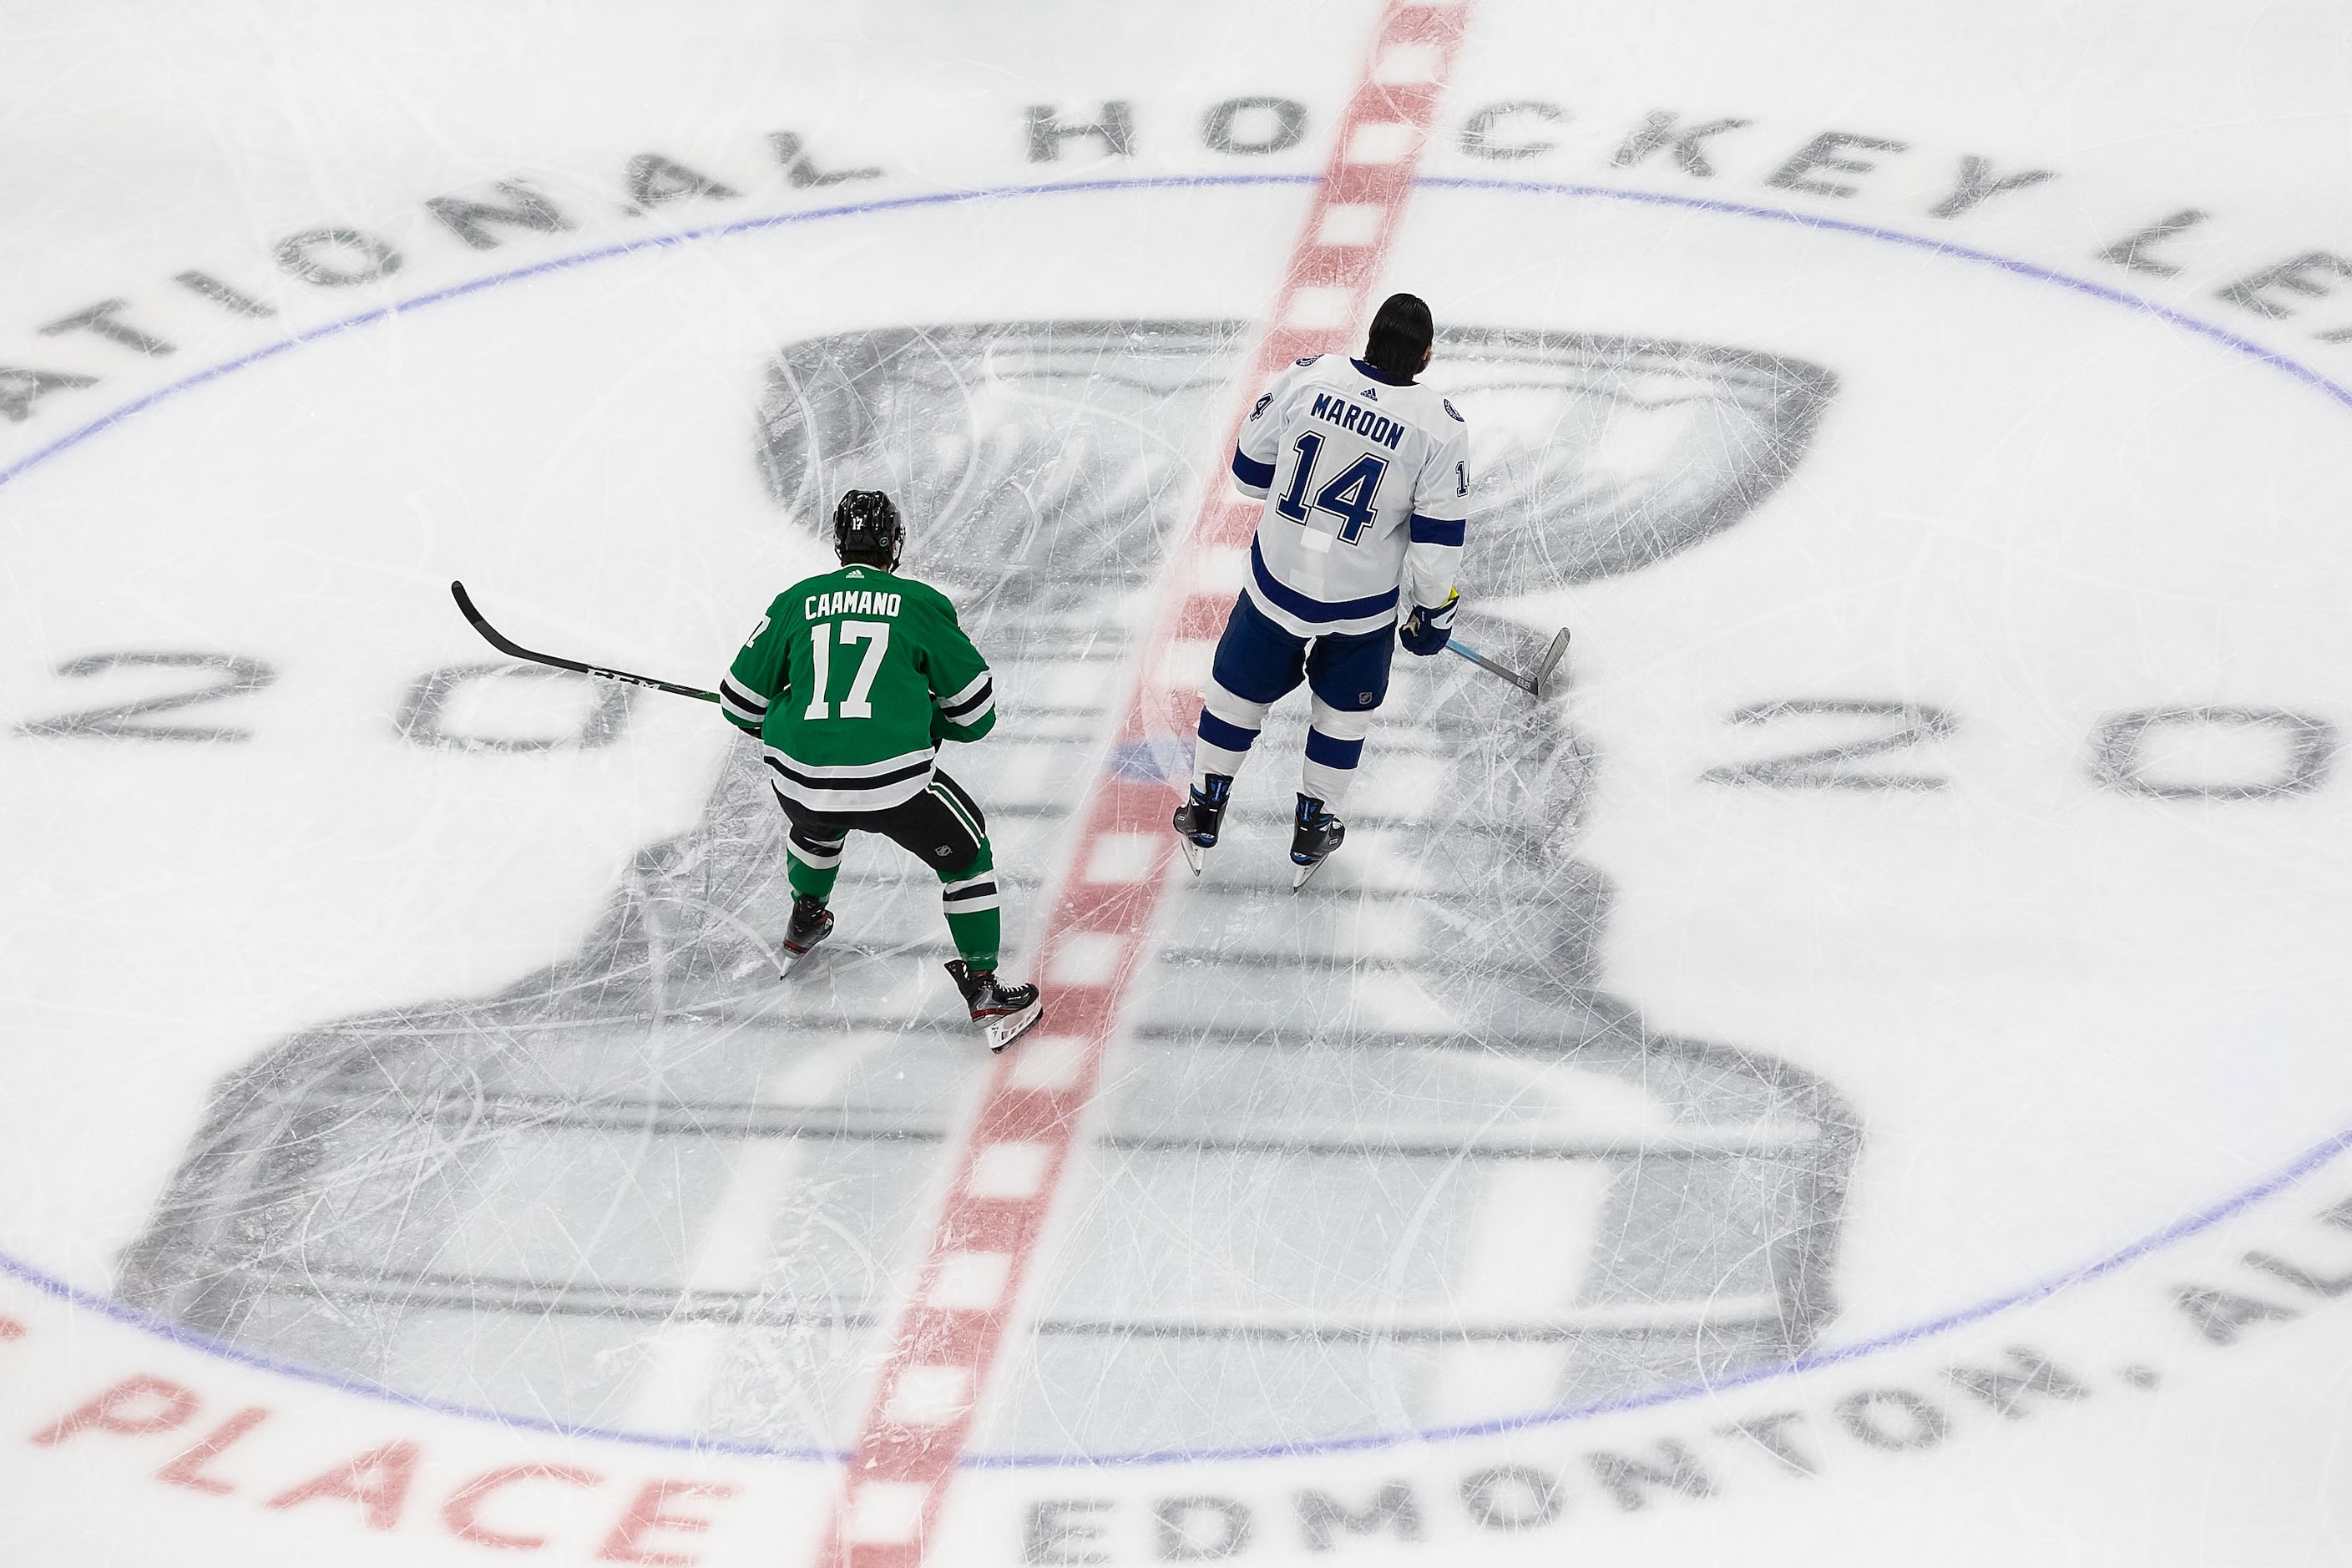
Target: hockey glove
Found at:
x=1426, y=631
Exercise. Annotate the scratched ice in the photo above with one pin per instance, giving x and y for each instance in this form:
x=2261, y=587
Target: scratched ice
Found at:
x=1385, y=1155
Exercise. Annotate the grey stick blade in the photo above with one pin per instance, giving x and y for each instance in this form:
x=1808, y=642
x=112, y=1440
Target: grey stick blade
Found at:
x=1456, y=645
x=1542, y=686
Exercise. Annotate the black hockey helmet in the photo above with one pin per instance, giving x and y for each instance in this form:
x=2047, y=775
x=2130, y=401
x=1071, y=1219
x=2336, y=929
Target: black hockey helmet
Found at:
x=865, y=527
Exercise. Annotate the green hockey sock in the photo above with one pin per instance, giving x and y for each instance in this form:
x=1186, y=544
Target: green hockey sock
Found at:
x=968, y=897
x=977, y=936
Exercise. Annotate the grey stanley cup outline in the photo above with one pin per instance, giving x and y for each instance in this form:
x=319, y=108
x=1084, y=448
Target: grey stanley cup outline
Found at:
x=327, y=1209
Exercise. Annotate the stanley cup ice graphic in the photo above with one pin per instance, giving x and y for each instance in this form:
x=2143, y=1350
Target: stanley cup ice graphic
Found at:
x=1385, y=1155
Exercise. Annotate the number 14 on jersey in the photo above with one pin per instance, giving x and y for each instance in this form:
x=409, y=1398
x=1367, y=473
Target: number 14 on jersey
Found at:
x=1347, y=497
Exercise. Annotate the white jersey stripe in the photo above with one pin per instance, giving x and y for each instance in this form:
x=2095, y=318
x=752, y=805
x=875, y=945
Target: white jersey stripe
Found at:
x=973, y=716
x=847, y=772
x=966, y=694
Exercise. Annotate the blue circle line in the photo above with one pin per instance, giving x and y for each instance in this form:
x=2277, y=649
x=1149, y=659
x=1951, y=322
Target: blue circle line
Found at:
x=650, y=242
x=2297, y=1170
x=2166, y=314
x=2301, y=1167
x=2113, y=295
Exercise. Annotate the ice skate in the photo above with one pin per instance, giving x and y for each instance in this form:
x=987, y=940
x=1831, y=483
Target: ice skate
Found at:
x=810, y=924
x=1312, y=838
x=1198, y=820
x=1004, y=1012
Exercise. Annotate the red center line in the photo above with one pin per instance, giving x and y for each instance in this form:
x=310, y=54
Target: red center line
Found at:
x=1008, y=1172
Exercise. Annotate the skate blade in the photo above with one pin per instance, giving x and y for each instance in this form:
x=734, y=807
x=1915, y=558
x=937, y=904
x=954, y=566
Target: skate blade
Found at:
x=788, y=960
x=1298, y=874
x=1194, y=854
x=1002, y=1032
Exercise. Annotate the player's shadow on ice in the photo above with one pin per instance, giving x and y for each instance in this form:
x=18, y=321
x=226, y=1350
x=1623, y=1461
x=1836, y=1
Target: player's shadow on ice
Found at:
x=1385, y=1155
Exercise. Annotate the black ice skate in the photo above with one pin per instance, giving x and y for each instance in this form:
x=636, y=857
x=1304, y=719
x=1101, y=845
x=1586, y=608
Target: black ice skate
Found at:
x=1005, y=1011
x=1312, y=838
x=810, y=924
x=1199, y=818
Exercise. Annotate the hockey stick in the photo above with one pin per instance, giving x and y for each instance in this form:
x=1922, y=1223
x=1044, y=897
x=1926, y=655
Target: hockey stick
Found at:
x=500, y=641
x=1533, y=684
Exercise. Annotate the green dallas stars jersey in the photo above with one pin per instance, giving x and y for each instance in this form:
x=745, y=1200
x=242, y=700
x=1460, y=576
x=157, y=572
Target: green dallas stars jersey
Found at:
x=852, y=679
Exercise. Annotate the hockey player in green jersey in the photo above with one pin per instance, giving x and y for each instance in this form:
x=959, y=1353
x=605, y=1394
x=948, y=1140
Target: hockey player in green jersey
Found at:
x=851, y=680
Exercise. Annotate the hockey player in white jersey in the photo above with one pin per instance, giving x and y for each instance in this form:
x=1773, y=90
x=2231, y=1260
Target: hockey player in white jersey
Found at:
x=1367, y=479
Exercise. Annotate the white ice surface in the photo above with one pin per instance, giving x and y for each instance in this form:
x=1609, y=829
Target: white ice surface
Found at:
x=2064, y=1019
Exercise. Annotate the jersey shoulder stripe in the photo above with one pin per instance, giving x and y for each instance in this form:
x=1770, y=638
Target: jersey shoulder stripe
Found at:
x=740, y=705
x=968, y=694
x=967, y=706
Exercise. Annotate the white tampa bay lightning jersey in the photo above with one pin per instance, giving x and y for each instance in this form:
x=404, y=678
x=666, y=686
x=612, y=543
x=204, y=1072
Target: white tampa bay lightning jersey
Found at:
x=1367, y=484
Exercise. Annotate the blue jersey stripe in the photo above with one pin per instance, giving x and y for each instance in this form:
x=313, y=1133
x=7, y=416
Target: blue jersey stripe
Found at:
x=1293, y=602
x=1250, y=471
x=1436, y=529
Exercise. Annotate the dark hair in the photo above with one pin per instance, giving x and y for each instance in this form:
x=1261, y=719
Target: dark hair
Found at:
x=1401, y=335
